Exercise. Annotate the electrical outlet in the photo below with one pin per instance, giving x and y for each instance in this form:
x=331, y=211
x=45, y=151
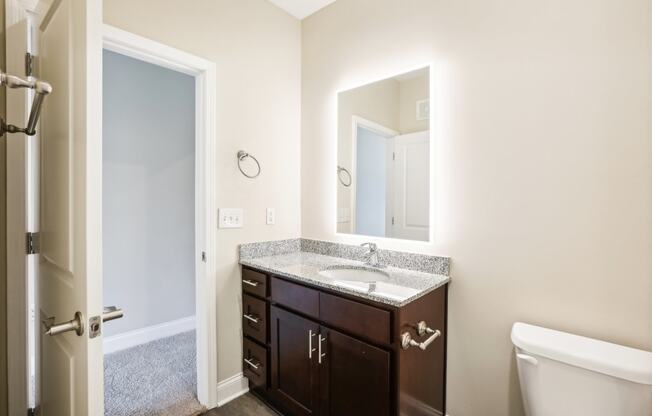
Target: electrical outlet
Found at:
x=271, y=216
x=231, y=217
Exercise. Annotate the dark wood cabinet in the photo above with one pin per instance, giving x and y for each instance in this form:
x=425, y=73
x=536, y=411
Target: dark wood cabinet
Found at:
x=295, y=372
x=254, y=318
x=314, y=351
x=354, y=376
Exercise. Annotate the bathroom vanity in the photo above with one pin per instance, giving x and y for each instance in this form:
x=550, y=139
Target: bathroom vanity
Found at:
x=316, y=345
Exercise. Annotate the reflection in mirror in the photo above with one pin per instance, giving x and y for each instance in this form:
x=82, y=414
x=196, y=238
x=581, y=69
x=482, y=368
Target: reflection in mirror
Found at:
x=383, y=157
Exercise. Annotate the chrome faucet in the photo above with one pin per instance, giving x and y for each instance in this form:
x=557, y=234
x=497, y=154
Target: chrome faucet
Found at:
x=371, y=257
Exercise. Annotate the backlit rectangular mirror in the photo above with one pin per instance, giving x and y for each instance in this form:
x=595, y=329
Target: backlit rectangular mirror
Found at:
x=383, y=158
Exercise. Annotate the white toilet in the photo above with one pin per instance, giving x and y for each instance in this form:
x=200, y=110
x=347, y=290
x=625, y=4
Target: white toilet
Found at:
x=568, y=375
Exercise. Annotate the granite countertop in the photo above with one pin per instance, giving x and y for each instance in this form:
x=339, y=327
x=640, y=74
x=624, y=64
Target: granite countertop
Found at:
x=402, y=287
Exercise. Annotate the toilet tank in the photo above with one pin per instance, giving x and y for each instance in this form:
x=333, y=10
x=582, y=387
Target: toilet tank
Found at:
x=563, y=374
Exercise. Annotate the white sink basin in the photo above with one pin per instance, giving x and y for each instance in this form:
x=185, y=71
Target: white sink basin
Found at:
x=355, y=274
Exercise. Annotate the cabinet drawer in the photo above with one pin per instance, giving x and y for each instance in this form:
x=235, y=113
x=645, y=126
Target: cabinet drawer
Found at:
x=294, y=296
x=254, y=363
x=357, y=318
x=254, y=282
x=254, y=318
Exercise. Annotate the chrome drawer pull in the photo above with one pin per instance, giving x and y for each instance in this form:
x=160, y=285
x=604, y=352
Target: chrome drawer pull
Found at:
x=320, y=353
x=251, y=318
x=250, y=282
x=310, y=348
x=251, y=364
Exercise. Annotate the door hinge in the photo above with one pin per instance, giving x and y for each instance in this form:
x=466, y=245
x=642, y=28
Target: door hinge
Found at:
x=34, y=411
x=393, y=156
x=33, y=245
x=203, y=256
x=392, y=220
x=29, y=64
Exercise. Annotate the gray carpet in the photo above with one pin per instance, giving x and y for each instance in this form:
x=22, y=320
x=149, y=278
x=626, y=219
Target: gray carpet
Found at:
x=154, y=379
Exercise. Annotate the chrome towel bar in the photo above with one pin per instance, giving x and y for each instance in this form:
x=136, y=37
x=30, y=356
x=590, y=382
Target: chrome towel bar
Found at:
x=422, y=329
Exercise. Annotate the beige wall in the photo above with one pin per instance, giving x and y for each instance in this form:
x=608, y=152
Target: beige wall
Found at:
x=413, y=90
x=257, y=50
x=543, y=186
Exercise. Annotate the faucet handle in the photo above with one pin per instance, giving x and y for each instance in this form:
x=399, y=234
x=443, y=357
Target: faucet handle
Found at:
x=372, y=246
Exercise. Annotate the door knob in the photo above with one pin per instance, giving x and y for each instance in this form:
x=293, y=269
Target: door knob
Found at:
x=76, y=324
x=111, y=312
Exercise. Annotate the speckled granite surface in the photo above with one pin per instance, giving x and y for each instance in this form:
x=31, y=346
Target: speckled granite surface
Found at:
x=399, y=287
x=399, y=259
x=269, y=248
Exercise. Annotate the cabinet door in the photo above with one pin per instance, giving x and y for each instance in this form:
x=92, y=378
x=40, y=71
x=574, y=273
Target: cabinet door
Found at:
x=354, y=376
x=295, y=381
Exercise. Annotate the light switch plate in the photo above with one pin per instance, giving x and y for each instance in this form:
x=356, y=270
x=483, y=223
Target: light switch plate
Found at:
x=271, y=216
x=231, y=217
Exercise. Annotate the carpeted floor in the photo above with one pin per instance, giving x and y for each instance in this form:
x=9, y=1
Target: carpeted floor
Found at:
x=154, y=379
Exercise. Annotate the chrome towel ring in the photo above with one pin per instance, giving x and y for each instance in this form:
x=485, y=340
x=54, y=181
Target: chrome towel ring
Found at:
x=242, y=155
x=346, y=183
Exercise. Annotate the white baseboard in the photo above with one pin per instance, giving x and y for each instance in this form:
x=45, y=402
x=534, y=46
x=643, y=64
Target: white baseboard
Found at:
x=231, y=388
x=151, y=333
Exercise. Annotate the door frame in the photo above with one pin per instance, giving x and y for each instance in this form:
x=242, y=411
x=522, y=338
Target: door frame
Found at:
x=356, y=122
x=204, y=72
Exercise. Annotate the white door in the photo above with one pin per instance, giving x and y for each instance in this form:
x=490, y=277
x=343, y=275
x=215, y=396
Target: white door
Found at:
x=412, y=186
x=69, y=278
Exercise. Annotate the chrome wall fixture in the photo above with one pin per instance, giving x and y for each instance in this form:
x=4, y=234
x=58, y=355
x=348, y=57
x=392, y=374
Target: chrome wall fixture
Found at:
x=242, y=155
x=77, y=323
x=422, y=329
x=41, y=88
x=344, y=181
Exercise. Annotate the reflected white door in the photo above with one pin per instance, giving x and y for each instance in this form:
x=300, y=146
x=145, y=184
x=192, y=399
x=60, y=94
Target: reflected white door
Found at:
x=70, y=258
x=411, y=186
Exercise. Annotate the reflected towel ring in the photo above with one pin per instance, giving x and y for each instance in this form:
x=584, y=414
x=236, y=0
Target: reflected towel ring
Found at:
x=340, y=169
x=243, y=155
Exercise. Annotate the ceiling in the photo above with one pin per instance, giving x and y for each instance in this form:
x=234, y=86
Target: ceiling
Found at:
x=301, y=8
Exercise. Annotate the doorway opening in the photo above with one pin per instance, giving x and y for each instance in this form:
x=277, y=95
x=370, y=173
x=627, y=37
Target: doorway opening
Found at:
x=158, y=191
x=390, y=183
x=148, y=238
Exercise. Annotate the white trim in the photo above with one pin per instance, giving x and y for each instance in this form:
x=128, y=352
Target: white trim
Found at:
x=141, y=336
x=373, y=126
x=231, y=388
x=147, y=50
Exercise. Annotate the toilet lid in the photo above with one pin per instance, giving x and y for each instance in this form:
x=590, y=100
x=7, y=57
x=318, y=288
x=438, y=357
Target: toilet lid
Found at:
x=591, y=354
